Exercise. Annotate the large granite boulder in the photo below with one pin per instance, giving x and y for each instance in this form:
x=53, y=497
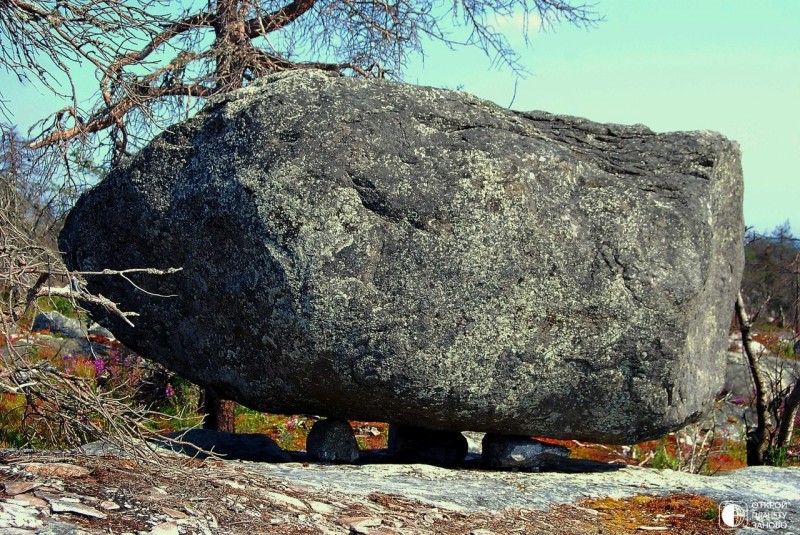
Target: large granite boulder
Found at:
x=380, y=251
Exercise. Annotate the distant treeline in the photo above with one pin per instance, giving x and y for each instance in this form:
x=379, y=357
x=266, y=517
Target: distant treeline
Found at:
x=771, y=282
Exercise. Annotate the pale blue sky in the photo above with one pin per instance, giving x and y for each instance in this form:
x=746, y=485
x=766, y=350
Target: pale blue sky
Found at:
x=727, y=65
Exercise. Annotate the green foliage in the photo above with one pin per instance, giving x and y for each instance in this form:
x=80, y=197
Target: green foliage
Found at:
x=663, y=459
x=60, y=305
x=187, y=394
x=776, y=456
x=710, y=514
x=11, y=412
x=290, y=432
x=179, y=418
x=63, y=306
x=114, y=375
x=250, y=421
x=737, y=449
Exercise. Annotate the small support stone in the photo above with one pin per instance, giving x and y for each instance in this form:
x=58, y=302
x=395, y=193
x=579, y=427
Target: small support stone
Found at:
x=520, y=452
x=332, y=440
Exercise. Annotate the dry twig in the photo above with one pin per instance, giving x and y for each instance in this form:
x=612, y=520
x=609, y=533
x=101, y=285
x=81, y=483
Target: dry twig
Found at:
x=60, y=408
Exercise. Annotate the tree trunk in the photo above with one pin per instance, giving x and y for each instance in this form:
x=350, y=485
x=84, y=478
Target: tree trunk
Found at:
x=757, y=438
x=756, y=448
x=789, y=412
x=218, y=412
x=232, y=46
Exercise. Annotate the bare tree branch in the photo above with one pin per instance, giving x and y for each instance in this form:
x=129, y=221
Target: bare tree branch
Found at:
x=264, y=24
x=360, y=37
x=185, y=25
x=57, y=408
x=114, y=115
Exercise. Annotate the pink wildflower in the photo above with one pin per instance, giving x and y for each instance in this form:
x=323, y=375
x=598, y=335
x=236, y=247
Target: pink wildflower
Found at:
x=291, y=424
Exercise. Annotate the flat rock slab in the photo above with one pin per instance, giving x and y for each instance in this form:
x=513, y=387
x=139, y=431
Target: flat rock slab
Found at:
x=384, y=252
x=477, y=490
x=328, y=498
x=65, y=505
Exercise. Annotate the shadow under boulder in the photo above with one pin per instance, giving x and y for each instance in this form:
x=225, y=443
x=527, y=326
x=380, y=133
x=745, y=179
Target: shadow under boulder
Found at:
x=231, y=446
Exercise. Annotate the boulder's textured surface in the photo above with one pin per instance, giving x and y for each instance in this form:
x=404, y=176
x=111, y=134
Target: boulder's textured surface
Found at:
x=332, y=440
x=506, y=451
x=381, y=251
